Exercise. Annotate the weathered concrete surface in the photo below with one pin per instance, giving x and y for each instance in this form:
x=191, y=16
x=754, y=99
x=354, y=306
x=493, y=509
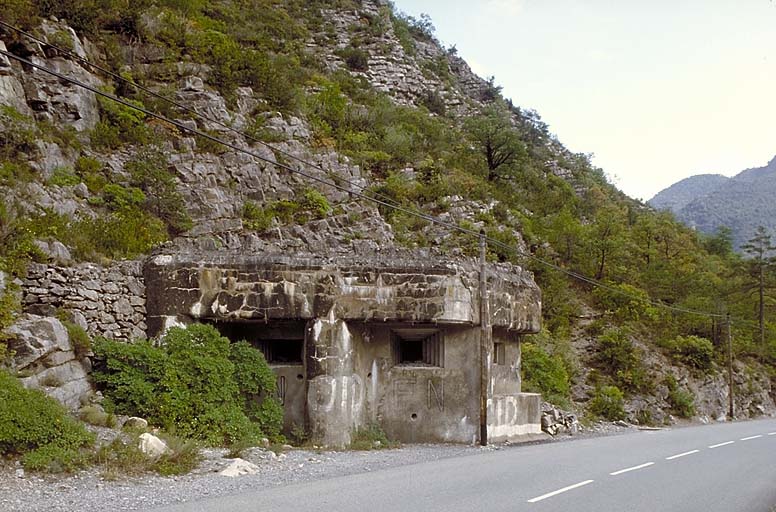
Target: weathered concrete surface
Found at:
x=239, y=288
x=356, y=318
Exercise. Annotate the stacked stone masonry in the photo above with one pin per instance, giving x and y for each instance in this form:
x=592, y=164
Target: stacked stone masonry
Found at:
x=111, y=300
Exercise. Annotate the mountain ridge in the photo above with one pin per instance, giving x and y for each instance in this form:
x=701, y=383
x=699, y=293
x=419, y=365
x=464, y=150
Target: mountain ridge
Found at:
x=707, y=202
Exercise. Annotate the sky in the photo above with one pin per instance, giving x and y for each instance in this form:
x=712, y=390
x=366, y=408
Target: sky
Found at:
x=656, y=90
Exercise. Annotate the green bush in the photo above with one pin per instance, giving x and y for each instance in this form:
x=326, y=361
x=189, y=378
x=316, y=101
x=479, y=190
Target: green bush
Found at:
x=544, y=373
x=149, y=172
x=64, y=177
x=316, y=203
x=256, y=218
x=90, y=171
x=693, y=351
x=189, y=385
x=370, y=437
x=119, y=125
x=33, y=424
x=357, y=59
x=53, y=458
x=608, y=403
x=625, y=302
x=79, y=338
x=682, y=402
x=19, y=134
x=622, y=361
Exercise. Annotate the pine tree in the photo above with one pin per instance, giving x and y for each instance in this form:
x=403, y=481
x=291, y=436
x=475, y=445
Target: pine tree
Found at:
x=761, y=264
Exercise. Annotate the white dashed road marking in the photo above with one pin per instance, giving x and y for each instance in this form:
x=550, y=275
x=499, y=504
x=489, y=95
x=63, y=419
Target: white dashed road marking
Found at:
x=634, y=468
x=750, y=437
x=559, y=491
x=672, y=457
x=721, y=444
x=772, y=433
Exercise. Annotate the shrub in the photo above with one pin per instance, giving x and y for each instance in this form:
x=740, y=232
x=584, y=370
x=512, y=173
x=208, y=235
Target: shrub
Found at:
x=19, y=134
x=189, y=385
x=356, y=59
x=622, y=361
x=256, y=218
x=79, y=338
x=53, y=458
x=64, y=177
x=118, y=197
x=122, y=456
x=693, y=351
x=681, y=401
x=148, y=171
x=545, y=374
x=608, y=403
x=316, y=203
x=94, y=415
x=625, y=302
x=127, y=233
x=90, y=171
x=370, y=437
x=119, y=125
x=32, y=423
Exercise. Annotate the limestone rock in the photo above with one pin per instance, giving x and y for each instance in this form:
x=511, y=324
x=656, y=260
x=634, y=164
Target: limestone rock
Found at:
x=34, y=337
x=193, y=84
x=54, y=250
x=239, y=467
x=11, y=89
x=152, y=446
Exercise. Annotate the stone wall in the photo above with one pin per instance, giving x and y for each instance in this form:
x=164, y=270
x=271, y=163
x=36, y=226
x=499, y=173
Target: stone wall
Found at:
x=107, y=301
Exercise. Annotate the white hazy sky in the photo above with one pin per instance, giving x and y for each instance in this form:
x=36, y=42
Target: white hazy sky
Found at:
x=657, y=90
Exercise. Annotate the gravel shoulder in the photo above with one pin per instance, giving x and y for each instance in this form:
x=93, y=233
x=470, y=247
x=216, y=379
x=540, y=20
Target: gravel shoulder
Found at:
x=88, y=491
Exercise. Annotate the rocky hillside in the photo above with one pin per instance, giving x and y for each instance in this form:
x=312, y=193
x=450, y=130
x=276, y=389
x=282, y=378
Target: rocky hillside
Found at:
x=707, y=202
x=321, y=104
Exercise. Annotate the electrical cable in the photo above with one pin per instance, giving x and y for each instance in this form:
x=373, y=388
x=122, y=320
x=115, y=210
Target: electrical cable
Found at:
x=360, y=194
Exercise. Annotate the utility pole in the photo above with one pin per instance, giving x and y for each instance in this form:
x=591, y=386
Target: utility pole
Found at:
x=730, y=370
x=485, y=339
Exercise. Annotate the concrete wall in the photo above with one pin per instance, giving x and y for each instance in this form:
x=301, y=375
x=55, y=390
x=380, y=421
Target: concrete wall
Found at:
x=352, y=312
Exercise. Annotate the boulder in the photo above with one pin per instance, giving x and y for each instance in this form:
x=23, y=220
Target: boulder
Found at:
x=152, y=446
x=239, y=467
x=34, y=337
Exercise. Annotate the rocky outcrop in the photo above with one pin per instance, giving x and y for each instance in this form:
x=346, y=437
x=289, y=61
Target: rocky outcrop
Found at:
x=45, y=359
x=49, y=98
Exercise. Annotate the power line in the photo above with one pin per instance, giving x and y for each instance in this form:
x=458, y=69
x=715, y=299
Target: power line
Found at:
x=360, y=194
x=181, y=106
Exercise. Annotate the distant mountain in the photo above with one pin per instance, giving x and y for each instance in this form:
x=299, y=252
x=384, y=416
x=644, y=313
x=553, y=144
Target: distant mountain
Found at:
x=708, y=201
x=681, y=193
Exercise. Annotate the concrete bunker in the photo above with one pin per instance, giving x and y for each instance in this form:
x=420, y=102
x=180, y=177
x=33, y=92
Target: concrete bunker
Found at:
x=359, y=343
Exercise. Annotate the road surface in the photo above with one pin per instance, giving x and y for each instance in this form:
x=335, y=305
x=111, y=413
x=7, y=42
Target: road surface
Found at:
x=727, y=467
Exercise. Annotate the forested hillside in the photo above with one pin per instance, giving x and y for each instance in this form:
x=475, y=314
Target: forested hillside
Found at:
x=364, y=99
x=709, y=202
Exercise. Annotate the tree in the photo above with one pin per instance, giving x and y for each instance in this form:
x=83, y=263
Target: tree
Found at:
x=497, y=140
x=761, y=264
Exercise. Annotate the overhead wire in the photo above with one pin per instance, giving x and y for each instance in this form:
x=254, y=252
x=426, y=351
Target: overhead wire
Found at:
x=359, y=192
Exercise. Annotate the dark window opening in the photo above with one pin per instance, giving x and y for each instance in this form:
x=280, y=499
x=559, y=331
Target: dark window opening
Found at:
x=282, y=351
x=281, y=342
x=499, y=353
x=418, y=347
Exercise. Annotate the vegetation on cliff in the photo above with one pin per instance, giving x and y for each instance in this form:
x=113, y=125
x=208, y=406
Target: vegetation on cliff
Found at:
x=548, y=209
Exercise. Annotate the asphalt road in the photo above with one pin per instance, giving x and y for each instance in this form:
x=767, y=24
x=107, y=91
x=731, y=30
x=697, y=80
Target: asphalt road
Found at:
x=727, y=467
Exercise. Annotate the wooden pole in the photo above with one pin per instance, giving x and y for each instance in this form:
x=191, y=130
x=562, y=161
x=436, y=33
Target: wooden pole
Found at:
x=731, y=410
x=484, y=344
